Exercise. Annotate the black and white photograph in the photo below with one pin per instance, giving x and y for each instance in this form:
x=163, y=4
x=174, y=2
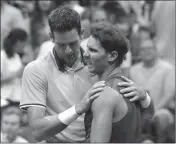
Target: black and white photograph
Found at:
x=87, y=71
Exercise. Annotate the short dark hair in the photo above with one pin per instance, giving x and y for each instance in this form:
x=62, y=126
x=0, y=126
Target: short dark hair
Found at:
x=16, y=34
x=111, y=39
x=63, y=19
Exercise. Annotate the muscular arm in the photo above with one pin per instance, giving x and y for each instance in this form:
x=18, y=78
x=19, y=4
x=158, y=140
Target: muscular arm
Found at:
x=43, y=126
x=102, y=122
x=105, y=111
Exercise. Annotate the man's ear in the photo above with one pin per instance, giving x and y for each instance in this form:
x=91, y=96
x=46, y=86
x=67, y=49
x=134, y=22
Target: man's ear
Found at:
x=81, y=33
x=112, y=56
x=51, y=37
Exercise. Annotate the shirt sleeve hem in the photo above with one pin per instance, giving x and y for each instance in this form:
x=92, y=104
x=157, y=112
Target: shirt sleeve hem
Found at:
x=26, y=106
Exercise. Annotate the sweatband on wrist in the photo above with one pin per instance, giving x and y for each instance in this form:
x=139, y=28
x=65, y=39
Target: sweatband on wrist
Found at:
x=145, y=103
x=68, y=116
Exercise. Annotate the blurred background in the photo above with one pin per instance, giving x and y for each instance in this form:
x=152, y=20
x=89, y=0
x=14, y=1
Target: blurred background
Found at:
x=150, y=27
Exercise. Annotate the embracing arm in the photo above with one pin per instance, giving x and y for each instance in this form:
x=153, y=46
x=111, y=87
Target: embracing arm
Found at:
x=136, y=93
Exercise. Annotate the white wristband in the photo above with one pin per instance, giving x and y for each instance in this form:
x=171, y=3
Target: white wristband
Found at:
x=68, y=116
x=145, y=103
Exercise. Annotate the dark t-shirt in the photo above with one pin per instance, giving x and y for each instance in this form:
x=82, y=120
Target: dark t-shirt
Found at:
x=128, y=129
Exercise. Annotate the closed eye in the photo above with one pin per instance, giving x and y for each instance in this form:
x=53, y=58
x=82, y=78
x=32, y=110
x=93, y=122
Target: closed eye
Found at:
x=92, y=50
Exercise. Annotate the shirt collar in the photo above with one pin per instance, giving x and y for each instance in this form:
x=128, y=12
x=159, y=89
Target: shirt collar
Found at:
x=78, y=64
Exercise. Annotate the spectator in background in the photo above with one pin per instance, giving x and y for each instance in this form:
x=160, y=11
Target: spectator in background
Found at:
x=154, y=74
x=163, y=26
x=39, y=24
x=11, y=65
x=157, y=77
x=10, y=125
x=11, y=17
x=142, y=34
x=26, y=7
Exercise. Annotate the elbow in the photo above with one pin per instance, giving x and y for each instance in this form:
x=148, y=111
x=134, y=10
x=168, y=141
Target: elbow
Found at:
x=37, y=133
x=38, y=136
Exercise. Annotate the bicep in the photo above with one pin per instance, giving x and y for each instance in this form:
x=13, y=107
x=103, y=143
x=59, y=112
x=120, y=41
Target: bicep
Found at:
x=102, y=124
x=35, y=113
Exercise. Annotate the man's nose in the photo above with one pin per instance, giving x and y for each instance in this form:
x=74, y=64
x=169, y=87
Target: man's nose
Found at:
x=68, y=50
x=86, y=56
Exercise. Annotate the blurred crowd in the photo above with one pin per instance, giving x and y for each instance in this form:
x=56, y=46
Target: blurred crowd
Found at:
x=149, y=25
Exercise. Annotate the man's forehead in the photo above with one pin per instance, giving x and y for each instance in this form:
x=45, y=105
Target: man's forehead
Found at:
x=93, y=42
x=66, y=37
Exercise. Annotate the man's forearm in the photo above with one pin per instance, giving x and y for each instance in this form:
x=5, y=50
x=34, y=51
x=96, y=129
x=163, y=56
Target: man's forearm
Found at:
x=46, y=127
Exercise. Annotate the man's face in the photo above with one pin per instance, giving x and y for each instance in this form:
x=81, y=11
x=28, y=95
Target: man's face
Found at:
x=148, y=51
x=144, y=35
x=10, y=125
x=19, y=47
x=45, y=5
x=96, y=56
x=99, y=16
x=67, y=45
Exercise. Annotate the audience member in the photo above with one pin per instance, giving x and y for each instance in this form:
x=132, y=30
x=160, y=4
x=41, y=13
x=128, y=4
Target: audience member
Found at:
x=154, y=74
x=10, y=125
x=157, y=77
x=11, y=65
x=163, y=26
x=39, y=24
x=11, y=17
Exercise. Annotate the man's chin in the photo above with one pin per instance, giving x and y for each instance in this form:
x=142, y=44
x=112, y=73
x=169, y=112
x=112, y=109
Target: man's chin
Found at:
x=92, y=71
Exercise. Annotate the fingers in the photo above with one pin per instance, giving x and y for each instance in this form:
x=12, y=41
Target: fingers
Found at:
x=134, y=99
x=92, y=98
x=98, y=84
x=124, y=84
x=131, y=94
x=126, y=79
x=94, y=91
x=128, y=90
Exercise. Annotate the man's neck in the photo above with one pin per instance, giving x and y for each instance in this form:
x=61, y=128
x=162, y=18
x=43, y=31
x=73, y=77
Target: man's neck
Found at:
x=106, y=73
x=150, y=63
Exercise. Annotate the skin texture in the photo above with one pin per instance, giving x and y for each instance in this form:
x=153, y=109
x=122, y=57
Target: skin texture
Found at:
x=105, y=111
x=148, y=52
x=99, y=16
x=95, y=56
x=67, y=45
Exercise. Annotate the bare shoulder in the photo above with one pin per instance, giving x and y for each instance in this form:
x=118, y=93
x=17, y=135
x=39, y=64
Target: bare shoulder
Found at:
x=108, y=98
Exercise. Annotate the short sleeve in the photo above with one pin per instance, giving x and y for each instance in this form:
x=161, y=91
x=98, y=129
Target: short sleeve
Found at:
x=34, y=87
